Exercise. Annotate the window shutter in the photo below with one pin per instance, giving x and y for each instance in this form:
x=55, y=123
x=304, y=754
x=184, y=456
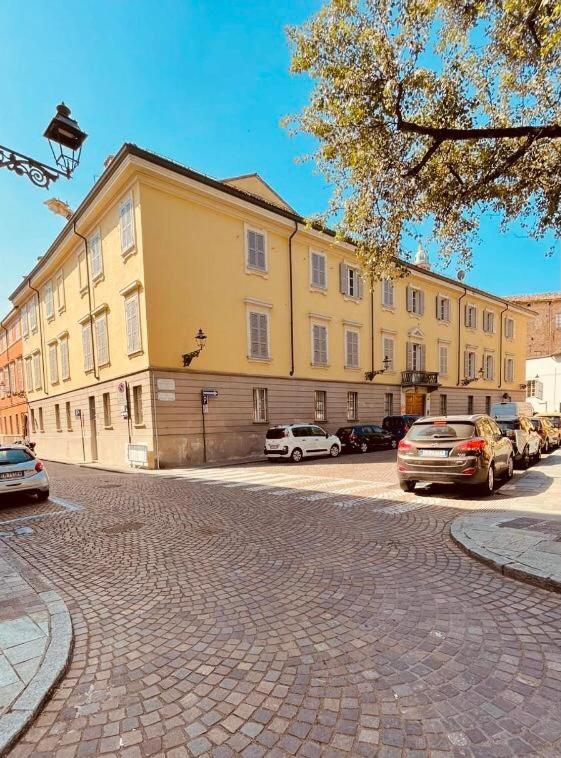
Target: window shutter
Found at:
x=409, y=356
x=132, y=323
x=343, y=278
x=466, y=363
x=409, y=299
x=421, y=302
x=423, y=357
x=438, y=299
x=64, y=367
x=360, y=286
x=101, y=339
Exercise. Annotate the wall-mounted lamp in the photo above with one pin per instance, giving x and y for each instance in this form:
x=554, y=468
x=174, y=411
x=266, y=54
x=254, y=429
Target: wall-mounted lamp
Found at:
x=369, y=375
x=469, y=379
x=200, y=339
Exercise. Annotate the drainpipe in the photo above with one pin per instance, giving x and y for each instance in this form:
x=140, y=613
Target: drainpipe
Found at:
x=77, y=233
x=372, y=326
x=7, y=361
x=45, y=389
x=501, y=348
x=291, y=373
x=460, y=335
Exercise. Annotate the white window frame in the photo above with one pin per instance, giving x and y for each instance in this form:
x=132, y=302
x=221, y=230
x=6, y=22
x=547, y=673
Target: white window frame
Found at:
x=347, y=331
x=249, y=267
x=257, y=311
x=388, y=404
x=353, y=277
x=37, y=371
x=24, y=322
x=388, y=339
x=417, y=356
x=260, y=405
x=470, y=315
x=323, y=415
x=509, y=368
x=127, y=246
x=96, y=258
x=64, y=358
x=49, y=300
x=352, y=405
x=471, y=371
x=388, y=293
x=535, y=388
x=488, y=321
x=444, y=309
x=443, y=356
x=488, y=361
x=132, y=348
x=29, y=374
x=53, y=362
x=60, y=293
x=322, y=256
x=101, y=346
x=416, y=298
x=322, y=325
x=509, y=330
x=87, y=346
x=558, y=321
x=32, y=307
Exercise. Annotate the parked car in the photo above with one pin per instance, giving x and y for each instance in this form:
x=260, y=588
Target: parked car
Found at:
x=365, y=437
x=454, y=450
x=398, y=426
x=548, y=434
x=22, y=471
x=555, y=421
x=517, y=427
x=297, y=441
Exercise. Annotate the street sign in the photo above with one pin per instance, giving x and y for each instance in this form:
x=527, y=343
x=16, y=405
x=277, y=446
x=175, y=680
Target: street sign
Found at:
x=210, y=393
x=77, y=412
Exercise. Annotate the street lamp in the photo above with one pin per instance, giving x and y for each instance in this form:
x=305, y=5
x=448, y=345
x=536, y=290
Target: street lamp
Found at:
x=469, y=379
x=369, y=375
x=200, y=339
x=65, y=139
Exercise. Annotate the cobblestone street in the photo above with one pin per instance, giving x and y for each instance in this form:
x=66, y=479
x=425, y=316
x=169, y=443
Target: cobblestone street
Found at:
x=311, y=610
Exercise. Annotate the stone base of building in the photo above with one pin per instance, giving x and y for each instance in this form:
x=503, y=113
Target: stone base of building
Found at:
x=156, y=418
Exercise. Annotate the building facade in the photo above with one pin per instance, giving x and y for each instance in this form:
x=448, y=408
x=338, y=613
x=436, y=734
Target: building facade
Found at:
x=13, y=403
x=544, y=329
x=157, y=251
x=543, y=383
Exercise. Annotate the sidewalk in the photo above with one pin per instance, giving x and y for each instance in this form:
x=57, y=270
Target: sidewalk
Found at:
x=523, y=539
x=35, y=645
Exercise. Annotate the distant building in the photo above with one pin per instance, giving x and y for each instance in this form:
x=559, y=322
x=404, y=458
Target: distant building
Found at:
x=544, y=330
x=543, y=383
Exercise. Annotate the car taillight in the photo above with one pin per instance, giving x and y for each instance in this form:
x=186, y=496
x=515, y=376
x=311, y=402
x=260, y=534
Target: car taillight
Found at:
x=405, y=446
x=39, y=466
x=475, y=446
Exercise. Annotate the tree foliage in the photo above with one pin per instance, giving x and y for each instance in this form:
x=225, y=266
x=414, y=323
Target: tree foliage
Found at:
x=434, y=110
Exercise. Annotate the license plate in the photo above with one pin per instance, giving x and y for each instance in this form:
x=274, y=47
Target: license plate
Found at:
x=273, y=447
x=11, y=475
x=433, y=453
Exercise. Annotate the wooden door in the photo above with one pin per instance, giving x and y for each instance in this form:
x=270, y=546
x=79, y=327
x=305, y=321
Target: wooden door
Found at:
x=415, y=404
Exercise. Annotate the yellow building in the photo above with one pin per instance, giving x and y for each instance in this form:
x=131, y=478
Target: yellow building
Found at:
x=157, y=251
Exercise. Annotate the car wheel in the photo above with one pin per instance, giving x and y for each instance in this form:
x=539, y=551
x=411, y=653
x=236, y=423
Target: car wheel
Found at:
x=408, y=485
x=363, y=447
x=296, y=455
x=488, y=486
x=538, y=455
x=334, y=451
x=42, y=496
x=509, y=469
x=525, y=460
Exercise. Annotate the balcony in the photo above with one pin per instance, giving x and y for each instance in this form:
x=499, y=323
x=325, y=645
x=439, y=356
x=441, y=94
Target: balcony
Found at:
x=420, y=379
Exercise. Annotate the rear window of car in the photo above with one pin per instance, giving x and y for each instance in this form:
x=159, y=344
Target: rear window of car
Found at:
x=344, y=431
x=554, y=421
x=13, y=456
x=276, y=434
x=510, y=424
x=449, y=430
x=392, y=423
x=536, y=424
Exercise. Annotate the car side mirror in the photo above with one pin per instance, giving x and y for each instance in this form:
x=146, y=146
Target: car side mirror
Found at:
x=326, y=435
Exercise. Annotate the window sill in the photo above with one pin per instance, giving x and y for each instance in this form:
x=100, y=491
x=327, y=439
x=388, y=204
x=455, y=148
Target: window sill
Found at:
x=260, y=423
x=108, y=428
x=97, y=279
x=444, y=321
x=352, y=299
x=319, y=290
x=390, y=308
x=104, y=365
x=320, y=365
x=135, y=353
x=256, y=359
x=125, y=254
x=139, y=426
x=89, y=370
x=50, y=318
x=352, y=368
x=415, y=315
x=264, y=274
x=83, y=291
x=65, y=378
x=61, y=310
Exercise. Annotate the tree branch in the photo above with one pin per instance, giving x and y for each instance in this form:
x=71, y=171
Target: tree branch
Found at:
x=425, y=159
x=506, y=164
x=531, y=23
x=445, y=134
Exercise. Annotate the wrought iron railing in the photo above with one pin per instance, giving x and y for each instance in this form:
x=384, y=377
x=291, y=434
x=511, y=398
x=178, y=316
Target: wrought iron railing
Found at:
x=429, y=378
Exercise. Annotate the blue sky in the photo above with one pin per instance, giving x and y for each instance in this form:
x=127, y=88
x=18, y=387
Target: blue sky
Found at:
x=205, y=83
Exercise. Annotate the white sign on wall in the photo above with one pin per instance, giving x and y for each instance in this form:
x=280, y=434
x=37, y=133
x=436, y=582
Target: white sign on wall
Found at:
x=166, y=396
x=167, y=385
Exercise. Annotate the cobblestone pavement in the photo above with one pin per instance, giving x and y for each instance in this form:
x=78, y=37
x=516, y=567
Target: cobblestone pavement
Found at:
x=280, y=610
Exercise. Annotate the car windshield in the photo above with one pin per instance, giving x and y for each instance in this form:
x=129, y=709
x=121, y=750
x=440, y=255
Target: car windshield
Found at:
x=276, y=434
x=441, y=430
x=554, y=421
x=14, y=455
x=536, y=424
x=507, y=425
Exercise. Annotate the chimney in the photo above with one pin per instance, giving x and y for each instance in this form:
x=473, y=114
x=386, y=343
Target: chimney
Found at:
x=107, y=162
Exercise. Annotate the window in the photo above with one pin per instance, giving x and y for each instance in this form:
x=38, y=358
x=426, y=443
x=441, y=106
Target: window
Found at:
x=258, y=335
x=137, y=401
x=37, y=370
x=470, y=316
x=96, y=258
x=260, y=405
x=57, y=418
x=415, y=356
x=101, y=339
x=443, y=360
x=64, y=359
x=489, y=367
x=444, y=405
x=387, y=293
x=350, y=281
x=319, y=345
x=351, y=349
x=126, y=224
x=32, y=309
x=352, y=406
x=509, y=328
x=24, y=321
x=60, y=294
x=320, y=405
x=12, y=378
x=68, y=417
x=82, y=271
x=488, y=322
x=106, y=410
x=415, y=301
x=487, y=404
x=534, y=388
x=132, y=318
x=87, y=346
x=256, y=257
x=318, y=272
x=53, y=362
x=442, y=308
x=509, y=369
x=470, y=404
x=41, y=424
x=388, y=352
x=558, y=320
x=33, y=421
x=388, y=404
x=28, y=375
x=469, y=364
x=49, y=300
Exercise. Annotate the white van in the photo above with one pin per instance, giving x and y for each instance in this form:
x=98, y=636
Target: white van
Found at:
x=511, y=410
x=514, y=422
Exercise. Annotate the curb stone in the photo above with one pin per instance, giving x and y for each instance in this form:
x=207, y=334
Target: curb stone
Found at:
x=25, y=708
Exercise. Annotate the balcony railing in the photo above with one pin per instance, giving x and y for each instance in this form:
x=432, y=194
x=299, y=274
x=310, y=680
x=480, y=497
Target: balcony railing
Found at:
x=421, y=378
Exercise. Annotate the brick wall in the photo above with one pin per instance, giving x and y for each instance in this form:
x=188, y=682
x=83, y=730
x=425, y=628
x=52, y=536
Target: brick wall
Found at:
x=544, y=331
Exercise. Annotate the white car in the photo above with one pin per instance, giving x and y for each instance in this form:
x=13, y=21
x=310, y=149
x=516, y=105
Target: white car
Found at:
x=21, y=471
x=297, y=441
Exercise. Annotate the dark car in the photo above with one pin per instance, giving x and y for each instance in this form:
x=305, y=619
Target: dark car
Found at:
x=398, y=426
x=455, y=450
x=365, y=437
x=548, y=434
